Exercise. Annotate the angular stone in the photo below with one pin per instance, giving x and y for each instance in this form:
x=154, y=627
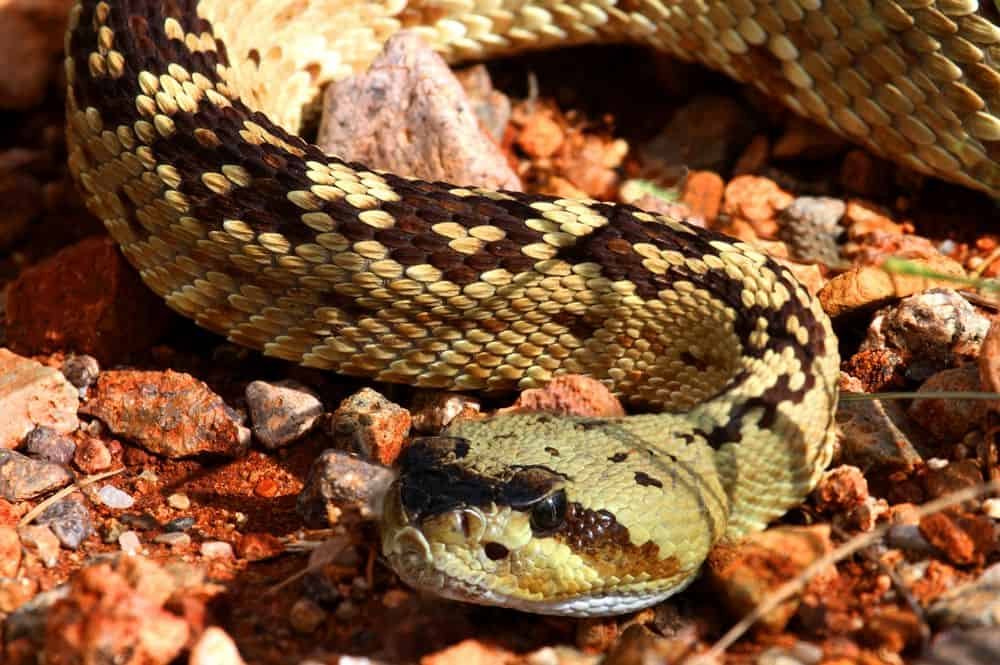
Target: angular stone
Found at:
x=341, y=485
x=368, y=423
x=32, y=394
x=69, y=520
x=168, y=413
x=407, y=114
x=46, y=444
x=281, y=412
x=24, y=478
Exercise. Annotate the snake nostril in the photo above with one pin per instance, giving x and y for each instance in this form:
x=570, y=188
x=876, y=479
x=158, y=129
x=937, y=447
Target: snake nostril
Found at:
x=495, y=551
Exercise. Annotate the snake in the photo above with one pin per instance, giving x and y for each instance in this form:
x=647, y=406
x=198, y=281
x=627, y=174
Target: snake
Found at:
x=182, y=133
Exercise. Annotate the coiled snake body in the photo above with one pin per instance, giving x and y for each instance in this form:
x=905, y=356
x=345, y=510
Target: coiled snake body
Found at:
x=181, y=120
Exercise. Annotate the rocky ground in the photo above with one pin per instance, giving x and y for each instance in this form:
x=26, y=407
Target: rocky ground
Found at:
x=167, y=497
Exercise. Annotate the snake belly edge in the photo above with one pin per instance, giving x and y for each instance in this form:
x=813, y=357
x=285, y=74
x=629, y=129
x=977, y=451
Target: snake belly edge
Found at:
x=180, y=123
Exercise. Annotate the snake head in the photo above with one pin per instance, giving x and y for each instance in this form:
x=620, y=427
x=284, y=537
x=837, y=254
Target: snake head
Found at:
x=463, y=522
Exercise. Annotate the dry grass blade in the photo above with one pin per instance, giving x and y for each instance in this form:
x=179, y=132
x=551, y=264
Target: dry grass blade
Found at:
x=795, y=585
x=66, y=491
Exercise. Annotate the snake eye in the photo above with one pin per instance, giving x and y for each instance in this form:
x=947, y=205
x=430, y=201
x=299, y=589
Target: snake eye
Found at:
x=549, y=514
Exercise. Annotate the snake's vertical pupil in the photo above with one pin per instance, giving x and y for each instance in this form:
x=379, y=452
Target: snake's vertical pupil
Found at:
x=548, y=514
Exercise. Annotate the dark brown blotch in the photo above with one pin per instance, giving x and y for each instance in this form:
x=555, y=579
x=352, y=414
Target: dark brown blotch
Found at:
x=646, y=480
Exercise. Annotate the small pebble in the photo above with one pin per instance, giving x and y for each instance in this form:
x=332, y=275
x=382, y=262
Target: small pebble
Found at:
x=266, y=488
x=46, y=444
x=22, y=477
x=112, y=497
x=992, y=508
x=81, y=371
x=40, y=540
x=129, y=542
x=113, y=529
x=179, y=501
x=92, y=456
x=346, y=611
x=173, y=539
x=215, y=647
x=216, y=549
x=178, y=525
x=306, y=616
x=69, y=520
x=143, y=522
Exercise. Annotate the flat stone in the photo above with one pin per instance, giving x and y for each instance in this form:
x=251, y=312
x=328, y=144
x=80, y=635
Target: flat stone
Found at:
x=978, y=646
x=24, y=478
x=216, y=549
x=168, y=413
x=970, y=605
x=173, y=539
x=112, y=497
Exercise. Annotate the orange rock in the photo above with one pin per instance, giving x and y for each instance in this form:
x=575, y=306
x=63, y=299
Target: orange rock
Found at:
x=748, y=570
x=755, y=199
x=572, y=394
x=589, y=162
x=540, y=136
x=841, y=489
x=989, y=361
x=470, y=652
x=870, y=286
x=114, y=613
x=739, y=229
x=168, y=413
x=87, y=299
x=964, y=539
x=703, y=194
x=10, y=551
x=863, y=217
x=368, y=423
x=266, y=488
x=259, y=546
